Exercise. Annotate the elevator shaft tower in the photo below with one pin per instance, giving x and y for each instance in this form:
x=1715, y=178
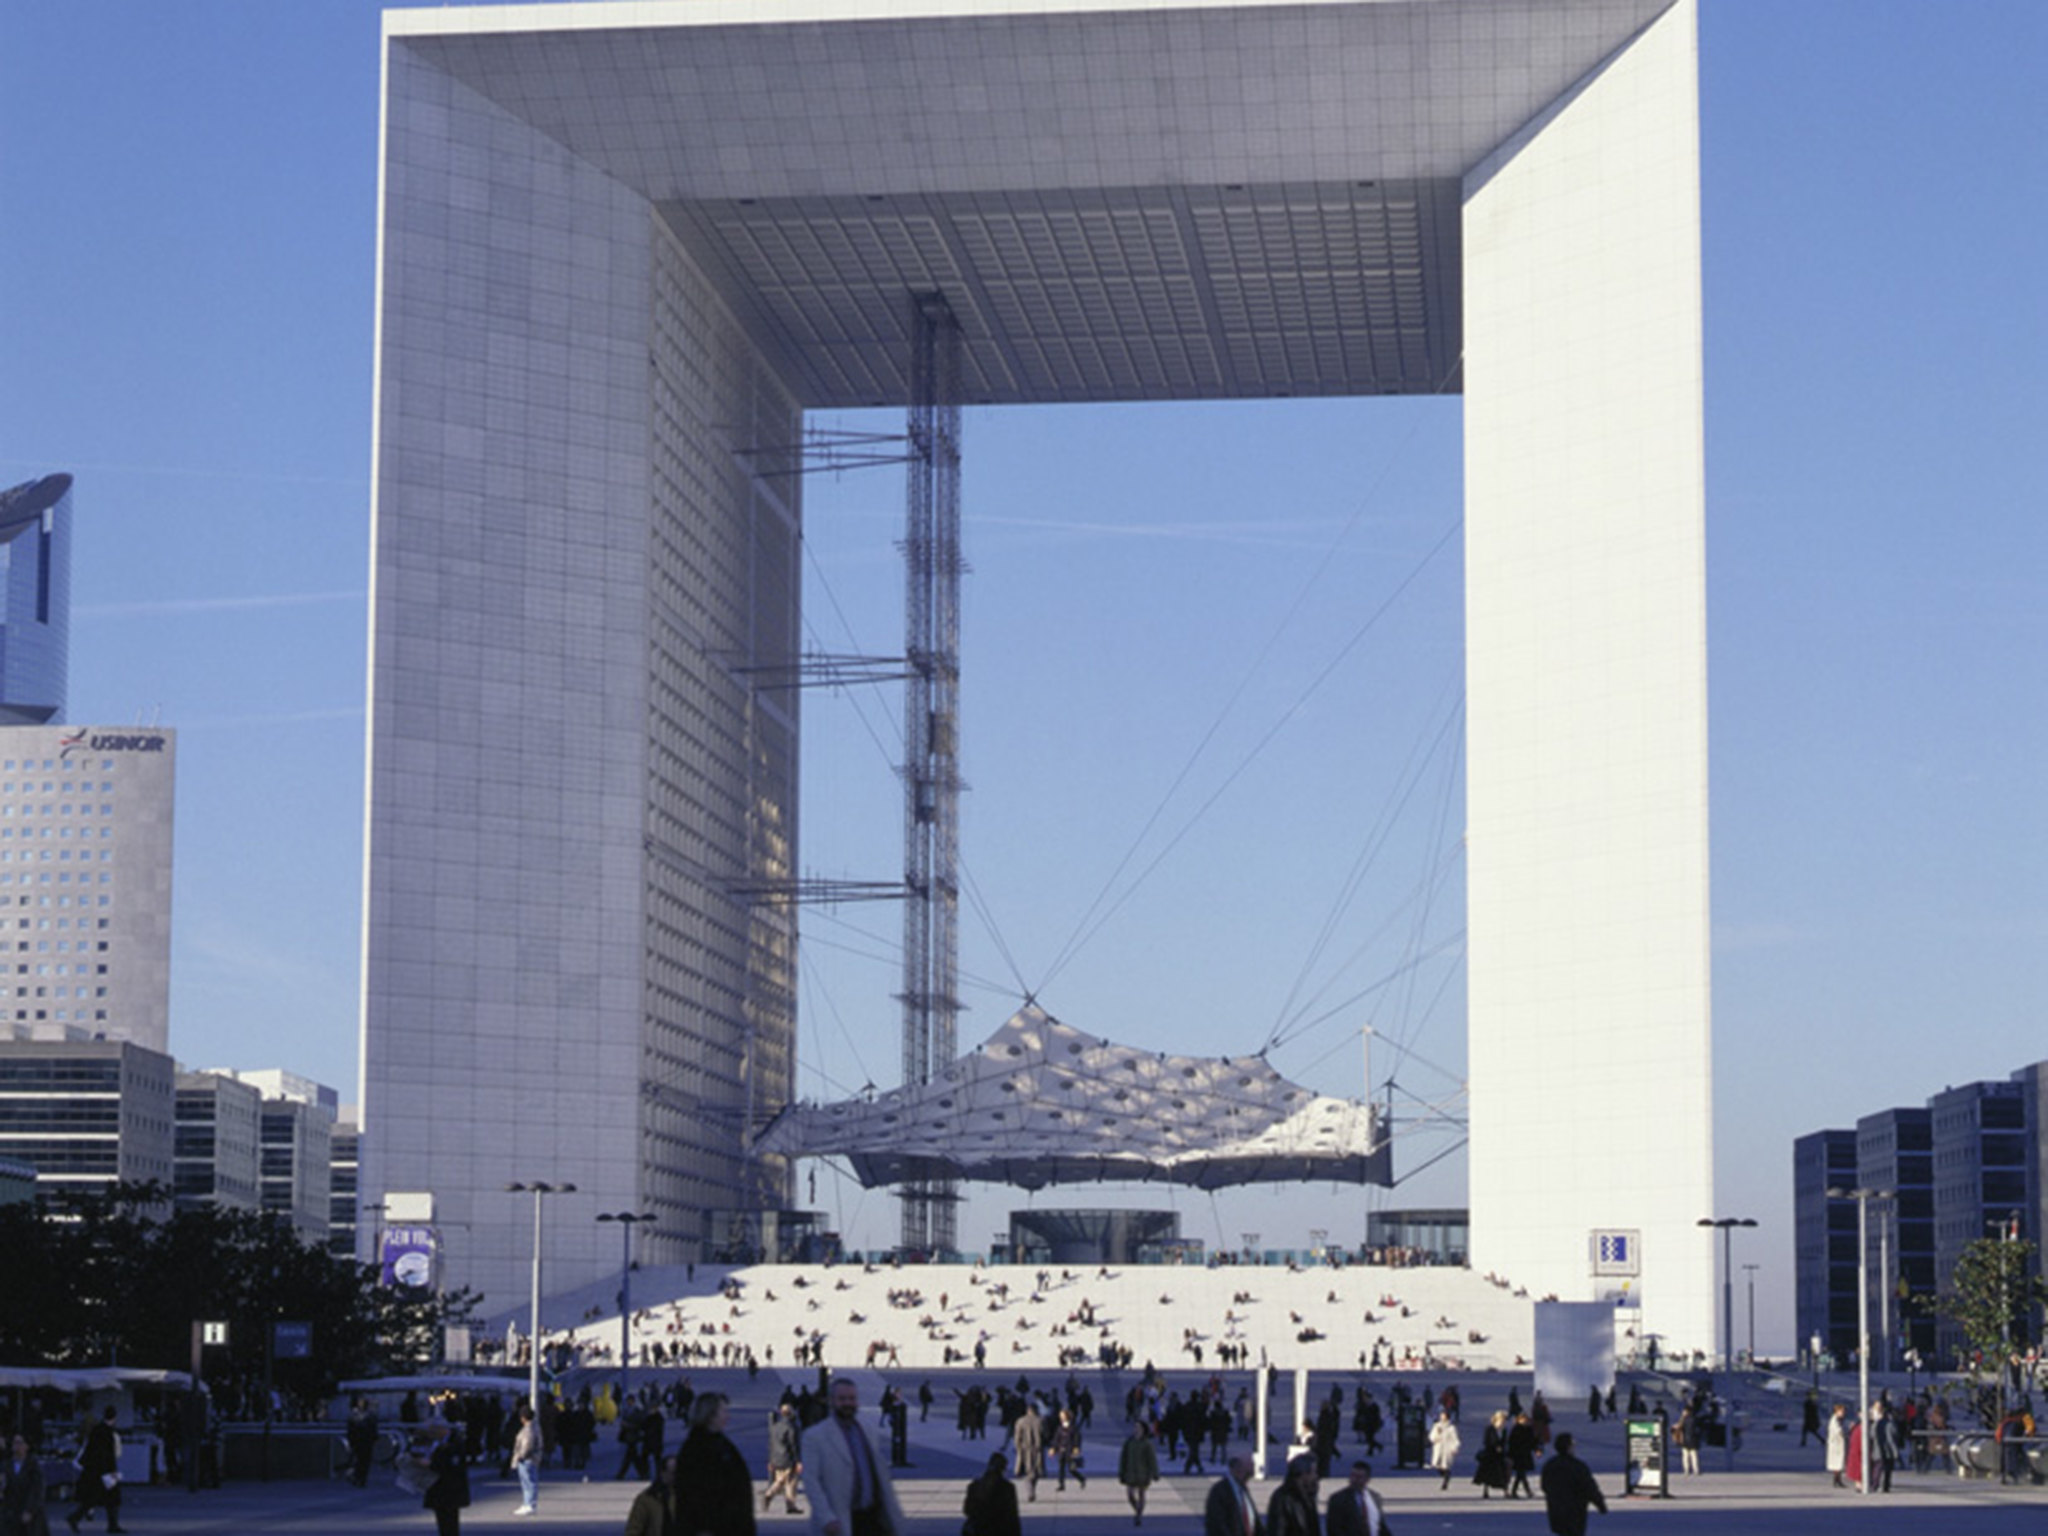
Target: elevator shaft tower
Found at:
x=931, y=738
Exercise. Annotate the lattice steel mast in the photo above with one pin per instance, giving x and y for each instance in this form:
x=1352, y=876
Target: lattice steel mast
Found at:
x=931, y=715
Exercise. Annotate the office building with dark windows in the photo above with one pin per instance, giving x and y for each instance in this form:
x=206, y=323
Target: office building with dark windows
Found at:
x=87, y=1114
x=35, y=600
x=1966, y=1166
x=219, y=1127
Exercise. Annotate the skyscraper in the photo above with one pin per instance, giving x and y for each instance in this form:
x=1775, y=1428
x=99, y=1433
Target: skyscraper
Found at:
x=35, y=586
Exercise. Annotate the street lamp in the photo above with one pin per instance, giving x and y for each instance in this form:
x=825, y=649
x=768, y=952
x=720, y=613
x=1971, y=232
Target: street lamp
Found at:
x=1750, y=1270
x=1862, y=1197
x=627, y=1220
x=1727, y=1224
x=537, y=1189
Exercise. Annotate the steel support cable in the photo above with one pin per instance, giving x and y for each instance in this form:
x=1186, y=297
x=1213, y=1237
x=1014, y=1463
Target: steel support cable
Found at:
x=1421, y=753
x=845, y=624
x=806, y=970
x=1285, y=1031
x=891, y=953
x=1403, y=1045
x=1082, y=931
x=981, y=907
x=986, y=914
x=1403, y=1010
x=1436, y=1109
x=1080, y=939
x=1392, y=976
x=1420, y=897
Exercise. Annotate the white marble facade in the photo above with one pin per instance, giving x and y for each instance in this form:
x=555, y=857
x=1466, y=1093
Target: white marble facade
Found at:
x=625, y=245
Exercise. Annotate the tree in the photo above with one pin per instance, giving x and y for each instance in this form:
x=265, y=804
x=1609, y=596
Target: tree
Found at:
x=1994, y=1298
x=120, y=1278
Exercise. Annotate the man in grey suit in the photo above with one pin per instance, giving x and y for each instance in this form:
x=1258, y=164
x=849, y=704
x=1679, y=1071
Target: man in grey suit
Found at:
x=1028, y=1436
x=848, y=1487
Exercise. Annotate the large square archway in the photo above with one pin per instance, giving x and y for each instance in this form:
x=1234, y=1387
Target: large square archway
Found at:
x=624, y=247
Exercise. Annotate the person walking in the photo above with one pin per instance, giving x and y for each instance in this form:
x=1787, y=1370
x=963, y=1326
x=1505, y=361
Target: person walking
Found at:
x=1230, y=1510
x=1569, y=1490
x=990, y=1506
x=849, y=1493
x=1027, y=1440
x=1521, y=1456
x=783, y=1466
x=1809, y=1418
x=447, y=1494
x=362, y=1440
x=654, y=1507
x=1354, y=1509
x=714, y=1490
x=1490, y=1466
x=1137, y=1468
x=1838, y=1442
x=1443, y=1444
x=99, y=1474
x=1292, y=1509
x=22, y=1510
x=1066, y=1451
x=1884, y=1446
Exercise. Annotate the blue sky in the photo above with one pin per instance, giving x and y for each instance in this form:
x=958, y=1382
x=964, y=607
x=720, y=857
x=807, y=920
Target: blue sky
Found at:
x=188, y=199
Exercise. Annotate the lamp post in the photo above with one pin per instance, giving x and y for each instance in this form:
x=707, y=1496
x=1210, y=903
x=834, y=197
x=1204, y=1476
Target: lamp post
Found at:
x=1862, y=1197
x=537, y=1189
x=627, y=1221
x=1750, y=1270
x=1727, y=1224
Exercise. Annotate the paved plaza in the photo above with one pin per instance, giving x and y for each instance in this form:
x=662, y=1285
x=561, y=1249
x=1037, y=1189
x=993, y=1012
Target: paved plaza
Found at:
x=1775, y=1489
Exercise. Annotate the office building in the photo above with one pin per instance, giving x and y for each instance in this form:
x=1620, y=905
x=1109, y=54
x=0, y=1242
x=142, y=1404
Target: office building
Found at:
x=295, y=1129
x=341, y=1186
x=85, y=883
x=17, y=1183
x=87, y=1114
x=1980, y=1174
x=1967, y=1166
x=624, y=249
x=219, y=1131
x=1895, y=1151
x=35, y=589
x=1824, y=1244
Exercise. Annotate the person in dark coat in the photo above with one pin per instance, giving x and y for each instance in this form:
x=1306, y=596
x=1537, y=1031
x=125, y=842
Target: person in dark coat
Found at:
x=22, y=1511
x=1354, y=1509
x=99, y=1474
x=448, y=1494
x=1569, y=1490
x=1490, y=1468
x=1066, y=1450
x=654, y=1507
x=991, y=1503
x=1137, y=1468
x=362, y=1440
x=1521, y=1456
x=1230, y=1510
x=1292, y=1509
x=714, y=1489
